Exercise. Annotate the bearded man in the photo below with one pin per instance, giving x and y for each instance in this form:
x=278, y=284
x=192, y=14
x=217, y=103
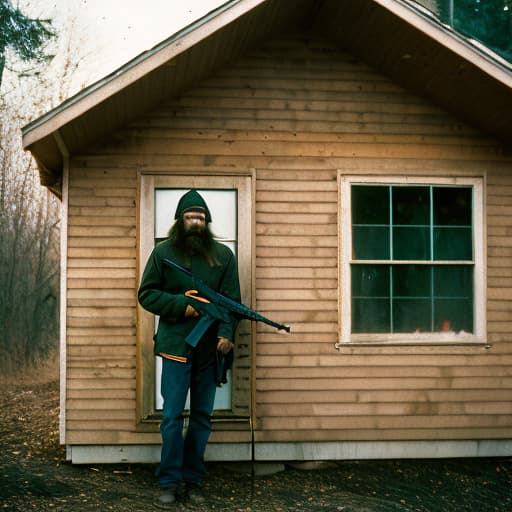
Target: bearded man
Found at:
x=162, y=292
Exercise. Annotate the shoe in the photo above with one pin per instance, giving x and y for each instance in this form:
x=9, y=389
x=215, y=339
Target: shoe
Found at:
x=166, y=500
x=195, y=494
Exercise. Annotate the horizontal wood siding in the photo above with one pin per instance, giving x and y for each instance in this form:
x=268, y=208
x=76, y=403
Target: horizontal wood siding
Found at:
x=297, y=111
x=101, y=341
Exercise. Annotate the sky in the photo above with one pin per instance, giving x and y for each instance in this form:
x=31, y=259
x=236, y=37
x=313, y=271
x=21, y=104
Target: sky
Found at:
x=109, y=33
x=118, y=30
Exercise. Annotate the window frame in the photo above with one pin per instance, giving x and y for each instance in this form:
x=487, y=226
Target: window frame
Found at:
x=346, y=337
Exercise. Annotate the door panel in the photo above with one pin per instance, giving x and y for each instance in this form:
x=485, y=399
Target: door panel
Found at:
x=223, y=208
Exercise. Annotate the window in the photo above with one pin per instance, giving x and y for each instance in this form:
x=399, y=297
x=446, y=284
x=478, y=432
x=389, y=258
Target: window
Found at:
x=412, y=261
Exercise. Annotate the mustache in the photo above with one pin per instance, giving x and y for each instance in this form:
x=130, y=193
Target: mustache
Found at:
x=194, y=231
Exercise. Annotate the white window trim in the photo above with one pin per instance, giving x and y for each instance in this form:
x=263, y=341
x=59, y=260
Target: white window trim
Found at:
x=345, y=260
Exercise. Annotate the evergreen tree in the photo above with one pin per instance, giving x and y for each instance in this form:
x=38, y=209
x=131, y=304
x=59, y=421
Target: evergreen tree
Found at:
x=26, y=36
x=488, y=21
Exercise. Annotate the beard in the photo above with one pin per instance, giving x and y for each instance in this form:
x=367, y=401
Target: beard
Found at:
x=194, y=241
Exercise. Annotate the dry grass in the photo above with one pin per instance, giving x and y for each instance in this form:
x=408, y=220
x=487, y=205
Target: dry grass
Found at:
x=39, y=372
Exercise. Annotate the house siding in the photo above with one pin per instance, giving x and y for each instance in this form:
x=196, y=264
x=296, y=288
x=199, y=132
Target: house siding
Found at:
x=299, y=112
x=101, y=338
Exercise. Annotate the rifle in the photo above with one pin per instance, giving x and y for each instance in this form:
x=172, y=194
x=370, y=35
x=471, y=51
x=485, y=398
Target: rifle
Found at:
x=215, y=306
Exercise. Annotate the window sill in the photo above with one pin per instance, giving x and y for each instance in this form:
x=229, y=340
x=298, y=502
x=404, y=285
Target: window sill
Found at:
x=430, y=340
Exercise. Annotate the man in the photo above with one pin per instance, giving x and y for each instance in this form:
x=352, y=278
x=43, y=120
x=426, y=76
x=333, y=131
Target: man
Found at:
x=162, y=292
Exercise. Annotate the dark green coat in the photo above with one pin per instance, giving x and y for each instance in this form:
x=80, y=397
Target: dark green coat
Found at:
x=162, y=291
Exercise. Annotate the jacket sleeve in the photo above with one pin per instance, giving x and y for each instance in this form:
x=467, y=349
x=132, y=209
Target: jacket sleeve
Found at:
x=230, y=286
x=154, y=297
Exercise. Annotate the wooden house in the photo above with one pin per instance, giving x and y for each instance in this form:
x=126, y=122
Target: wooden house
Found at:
x=362, y=153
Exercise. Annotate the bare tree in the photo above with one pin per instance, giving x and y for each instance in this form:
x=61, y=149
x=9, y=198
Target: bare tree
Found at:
x=29, y=213
x=29, y=258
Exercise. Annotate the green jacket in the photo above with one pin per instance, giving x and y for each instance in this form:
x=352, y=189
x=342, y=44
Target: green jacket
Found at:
x=162, y=289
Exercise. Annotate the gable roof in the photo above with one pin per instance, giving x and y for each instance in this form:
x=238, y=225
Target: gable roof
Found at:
x=397, y=37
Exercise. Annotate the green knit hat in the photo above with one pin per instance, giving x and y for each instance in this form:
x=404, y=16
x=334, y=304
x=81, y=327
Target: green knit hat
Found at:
x=192, y=200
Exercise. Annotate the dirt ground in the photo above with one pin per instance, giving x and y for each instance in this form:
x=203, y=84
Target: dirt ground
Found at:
x=35, y=476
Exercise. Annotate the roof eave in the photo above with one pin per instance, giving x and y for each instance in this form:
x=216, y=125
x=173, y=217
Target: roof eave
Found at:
x=39, y=135
x=134, y=69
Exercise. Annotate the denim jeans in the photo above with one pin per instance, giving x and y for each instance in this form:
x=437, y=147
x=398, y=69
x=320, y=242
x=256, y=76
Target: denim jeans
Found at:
x=182, y=458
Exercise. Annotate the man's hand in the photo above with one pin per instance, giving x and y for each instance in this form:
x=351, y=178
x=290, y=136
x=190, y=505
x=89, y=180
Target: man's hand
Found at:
x=224, y=345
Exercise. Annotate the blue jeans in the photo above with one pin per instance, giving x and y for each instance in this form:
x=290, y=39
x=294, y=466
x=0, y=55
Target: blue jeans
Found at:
x=182, y=458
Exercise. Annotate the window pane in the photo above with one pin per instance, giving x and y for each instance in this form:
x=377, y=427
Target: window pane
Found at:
x=412, y=305
x=370, y=243
x=412, y=281
x=452, y=223
x=451, y=243
x=452, y=206
x=370, y=298
x=223, y=206
x=221, y=203
x=370, y=315
x=370, y=281
x=453, y=298
x=412, y=315
x=453, y=315
x=411, y=205
x=453, y=281
x=370, y=205
x=411, y=243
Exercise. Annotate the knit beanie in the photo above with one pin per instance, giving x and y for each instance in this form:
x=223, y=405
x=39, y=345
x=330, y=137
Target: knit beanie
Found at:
x=192, y=200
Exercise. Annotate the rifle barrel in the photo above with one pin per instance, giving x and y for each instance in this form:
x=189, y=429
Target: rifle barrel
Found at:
x=221, y=300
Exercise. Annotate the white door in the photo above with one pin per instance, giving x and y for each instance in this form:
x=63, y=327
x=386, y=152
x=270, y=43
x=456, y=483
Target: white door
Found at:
x=223, y=208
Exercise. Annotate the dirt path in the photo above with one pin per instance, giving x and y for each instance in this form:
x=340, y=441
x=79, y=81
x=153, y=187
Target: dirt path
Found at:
x=35, y=476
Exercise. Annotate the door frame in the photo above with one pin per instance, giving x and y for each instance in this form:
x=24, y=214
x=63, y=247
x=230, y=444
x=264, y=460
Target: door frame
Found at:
x=243, y=181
